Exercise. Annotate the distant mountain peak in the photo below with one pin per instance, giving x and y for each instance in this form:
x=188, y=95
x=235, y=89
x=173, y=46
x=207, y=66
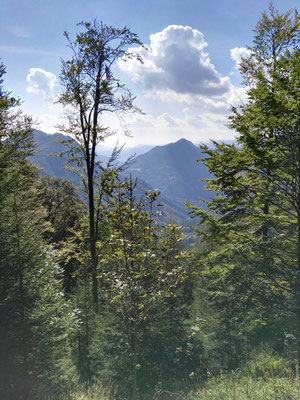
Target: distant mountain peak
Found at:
x=184, y=144
x=41, y=136
x=172, y=168
x=183, y=141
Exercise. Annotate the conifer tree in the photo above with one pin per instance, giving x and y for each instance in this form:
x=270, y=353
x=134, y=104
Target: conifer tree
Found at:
x=34, y=316
x=251, y=228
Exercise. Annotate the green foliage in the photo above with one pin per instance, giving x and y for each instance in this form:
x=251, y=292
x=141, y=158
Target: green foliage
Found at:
x=7, y=102
x=236, y=386
x=250, y=231
x=90, y=90
x=35, y=318
x=109, y=297
x=64, y=207
x=81, y=392
x=136, y=275
x=95, y=392
x=64, y=212
x=263, y=362
x=141, y=270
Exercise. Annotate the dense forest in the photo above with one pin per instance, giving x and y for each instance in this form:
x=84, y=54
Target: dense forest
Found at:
x=102, y=299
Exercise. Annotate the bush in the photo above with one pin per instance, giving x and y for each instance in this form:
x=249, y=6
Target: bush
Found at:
x=264, y=362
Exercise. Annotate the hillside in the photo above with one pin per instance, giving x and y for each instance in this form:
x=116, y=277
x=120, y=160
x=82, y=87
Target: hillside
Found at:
x=46, y=151
x=174, y=170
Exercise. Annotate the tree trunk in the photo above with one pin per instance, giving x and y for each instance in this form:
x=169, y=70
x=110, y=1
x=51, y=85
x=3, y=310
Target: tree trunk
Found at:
x=93, y=252
x=134, y=362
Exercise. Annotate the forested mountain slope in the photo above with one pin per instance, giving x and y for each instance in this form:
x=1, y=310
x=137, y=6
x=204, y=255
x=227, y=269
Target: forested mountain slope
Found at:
x=46, y=155
x=107, y=298
x=174, y=170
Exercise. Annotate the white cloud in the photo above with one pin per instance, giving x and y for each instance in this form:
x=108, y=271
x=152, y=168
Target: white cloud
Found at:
x=186, y=95
x=237, y=53
x=169, y=127
x=41, y=82
x=180, y=81
x=49, y=122
x=238, y=96
x=176, y=61
x=168, y=120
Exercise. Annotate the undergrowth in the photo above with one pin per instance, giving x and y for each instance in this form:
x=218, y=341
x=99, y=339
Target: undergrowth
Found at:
x=236, y=386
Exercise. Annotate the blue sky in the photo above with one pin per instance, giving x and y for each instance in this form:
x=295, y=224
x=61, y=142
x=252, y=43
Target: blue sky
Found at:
x=189, y=77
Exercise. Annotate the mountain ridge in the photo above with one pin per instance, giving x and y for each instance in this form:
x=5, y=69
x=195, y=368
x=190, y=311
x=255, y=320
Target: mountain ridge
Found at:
x=172, y=169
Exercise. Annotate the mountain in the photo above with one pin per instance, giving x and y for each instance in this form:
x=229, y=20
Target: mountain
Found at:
x=174, y=170
x=45, y=157
x=126, y=152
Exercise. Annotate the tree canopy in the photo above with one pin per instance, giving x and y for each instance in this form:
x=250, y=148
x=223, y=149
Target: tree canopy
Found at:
x=102, y=297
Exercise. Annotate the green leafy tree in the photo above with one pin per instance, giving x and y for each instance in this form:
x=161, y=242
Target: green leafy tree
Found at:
x=75, y=255
x=136, y=275
x=169, y=352
x=64, y=208
x=64, y=212
x=90, y=91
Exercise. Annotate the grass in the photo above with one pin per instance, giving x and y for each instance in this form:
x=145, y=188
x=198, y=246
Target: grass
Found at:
x=238, y=387
x=93, y=392
x=234, y=386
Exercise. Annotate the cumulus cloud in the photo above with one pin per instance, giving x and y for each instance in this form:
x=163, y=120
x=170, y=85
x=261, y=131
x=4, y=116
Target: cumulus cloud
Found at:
x=41, y=82
x=49, y=122
x=169, y=127
x=237, y=53
x=177, y=71
x=176, y=61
